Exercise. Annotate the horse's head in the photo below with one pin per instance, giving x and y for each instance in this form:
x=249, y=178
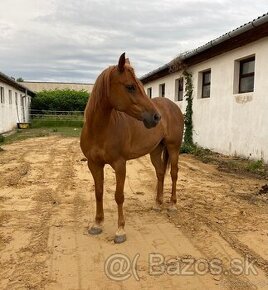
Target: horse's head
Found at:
x=127, y=94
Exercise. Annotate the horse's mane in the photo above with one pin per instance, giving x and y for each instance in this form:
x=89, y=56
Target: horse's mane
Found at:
x=100, y=91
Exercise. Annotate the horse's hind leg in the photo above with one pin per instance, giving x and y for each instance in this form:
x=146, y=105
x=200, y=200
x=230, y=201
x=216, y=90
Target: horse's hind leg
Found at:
x=156, y=158
x=97, y=173
x=173, y=151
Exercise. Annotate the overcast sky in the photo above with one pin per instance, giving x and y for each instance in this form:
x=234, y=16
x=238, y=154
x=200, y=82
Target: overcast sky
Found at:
x=74, y=40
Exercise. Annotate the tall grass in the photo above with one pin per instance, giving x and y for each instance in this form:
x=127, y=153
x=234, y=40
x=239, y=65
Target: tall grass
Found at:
x=44, y=119
x=53, y=123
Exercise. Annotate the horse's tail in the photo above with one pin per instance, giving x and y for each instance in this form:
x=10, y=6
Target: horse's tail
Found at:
x=166, y=159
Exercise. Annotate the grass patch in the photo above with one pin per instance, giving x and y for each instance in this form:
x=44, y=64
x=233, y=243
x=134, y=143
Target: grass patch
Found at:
x=205, y=155
x=240, y=165
x=62, y=125
x=187, y=148
x=255, y=165
x=256, y=168
x=22, y=134
x=55, y=123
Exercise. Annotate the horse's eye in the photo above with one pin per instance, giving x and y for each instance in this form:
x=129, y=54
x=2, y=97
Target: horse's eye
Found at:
x=131, y=88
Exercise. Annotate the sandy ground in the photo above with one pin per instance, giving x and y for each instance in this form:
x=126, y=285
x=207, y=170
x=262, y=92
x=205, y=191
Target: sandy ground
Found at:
x=47, y=203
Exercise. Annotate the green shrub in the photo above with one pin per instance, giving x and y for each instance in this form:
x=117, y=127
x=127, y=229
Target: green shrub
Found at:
x=255, y=165
x=2, y=138
x=60, y=100
x=187, y=148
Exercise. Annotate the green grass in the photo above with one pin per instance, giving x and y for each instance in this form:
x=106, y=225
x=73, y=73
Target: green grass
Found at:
x=56, y=122
x=205, y=155
x=65, y=126
x=231, y=164
x=22, y=134
x=255, y=165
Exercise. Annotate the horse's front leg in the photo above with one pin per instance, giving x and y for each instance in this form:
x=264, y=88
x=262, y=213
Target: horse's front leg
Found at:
x=98, y=176
x=120, y=173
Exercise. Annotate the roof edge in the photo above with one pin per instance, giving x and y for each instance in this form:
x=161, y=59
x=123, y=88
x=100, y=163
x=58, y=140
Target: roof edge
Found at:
x=14, y=83
x=219, y=40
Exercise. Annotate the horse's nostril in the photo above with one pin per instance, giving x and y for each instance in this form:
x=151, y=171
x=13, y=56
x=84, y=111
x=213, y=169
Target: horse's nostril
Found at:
x=157, y=117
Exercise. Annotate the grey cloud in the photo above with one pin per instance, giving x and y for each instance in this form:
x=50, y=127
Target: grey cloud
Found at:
x=76, y=40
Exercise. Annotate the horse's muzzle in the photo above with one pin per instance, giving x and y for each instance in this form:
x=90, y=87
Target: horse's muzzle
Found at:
x=150, y=120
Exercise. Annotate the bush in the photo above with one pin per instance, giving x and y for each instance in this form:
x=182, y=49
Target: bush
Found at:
x=255, y=165
x=187, y=148
x=2, y=138
x=60, y=100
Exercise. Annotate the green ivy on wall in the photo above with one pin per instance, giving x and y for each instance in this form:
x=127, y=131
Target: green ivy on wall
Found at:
x=188, y=117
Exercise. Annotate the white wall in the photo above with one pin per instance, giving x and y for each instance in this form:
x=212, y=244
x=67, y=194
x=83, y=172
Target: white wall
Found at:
x=169, y=88
x=10, y=114
x=228, y=122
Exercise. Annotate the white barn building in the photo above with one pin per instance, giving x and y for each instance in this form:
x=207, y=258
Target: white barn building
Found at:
x=15, y=100
x=230, y=90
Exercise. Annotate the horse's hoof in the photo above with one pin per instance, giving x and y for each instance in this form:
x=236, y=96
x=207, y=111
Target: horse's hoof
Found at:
x=118, y=239
x=172, y=208
x=94, y=230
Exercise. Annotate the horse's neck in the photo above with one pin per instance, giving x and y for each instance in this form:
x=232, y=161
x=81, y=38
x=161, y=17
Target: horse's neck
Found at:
x=98, y=119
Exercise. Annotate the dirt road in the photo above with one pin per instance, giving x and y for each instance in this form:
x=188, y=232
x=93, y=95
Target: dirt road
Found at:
x=47, y=203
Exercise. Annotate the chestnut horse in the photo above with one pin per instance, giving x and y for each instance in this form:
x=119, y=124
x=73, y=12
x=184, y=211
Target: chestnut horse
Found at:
x=122, y=123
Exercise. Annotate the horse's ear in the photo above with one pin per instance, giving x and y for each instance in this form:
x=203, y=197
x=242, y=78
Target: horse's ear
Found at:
x=127, y=61
x=121, y=62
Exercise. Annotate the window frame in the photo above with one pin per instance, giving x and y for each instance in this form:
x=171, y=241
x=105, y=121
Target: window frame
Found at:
x=149, y=92
x=204, y=84
x=162, y=90
x=179, y=90
x=2, y=95
x=243, y=76
x=10, y=97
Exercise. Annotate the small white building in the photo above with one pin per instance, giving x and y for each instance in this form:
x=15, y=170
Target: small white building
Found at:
x=15, y=100
x=230, y=90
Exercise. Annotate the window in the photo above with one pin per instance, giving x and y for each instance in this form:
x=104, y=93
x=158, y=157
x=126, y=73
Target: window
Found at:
x=246, y=75
x=16, y=98
x=21, y=100
x=2, y=95
x=179, y=89
x=162, y=90
x=206, y=84
x=10, y=96
x=149, y=92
